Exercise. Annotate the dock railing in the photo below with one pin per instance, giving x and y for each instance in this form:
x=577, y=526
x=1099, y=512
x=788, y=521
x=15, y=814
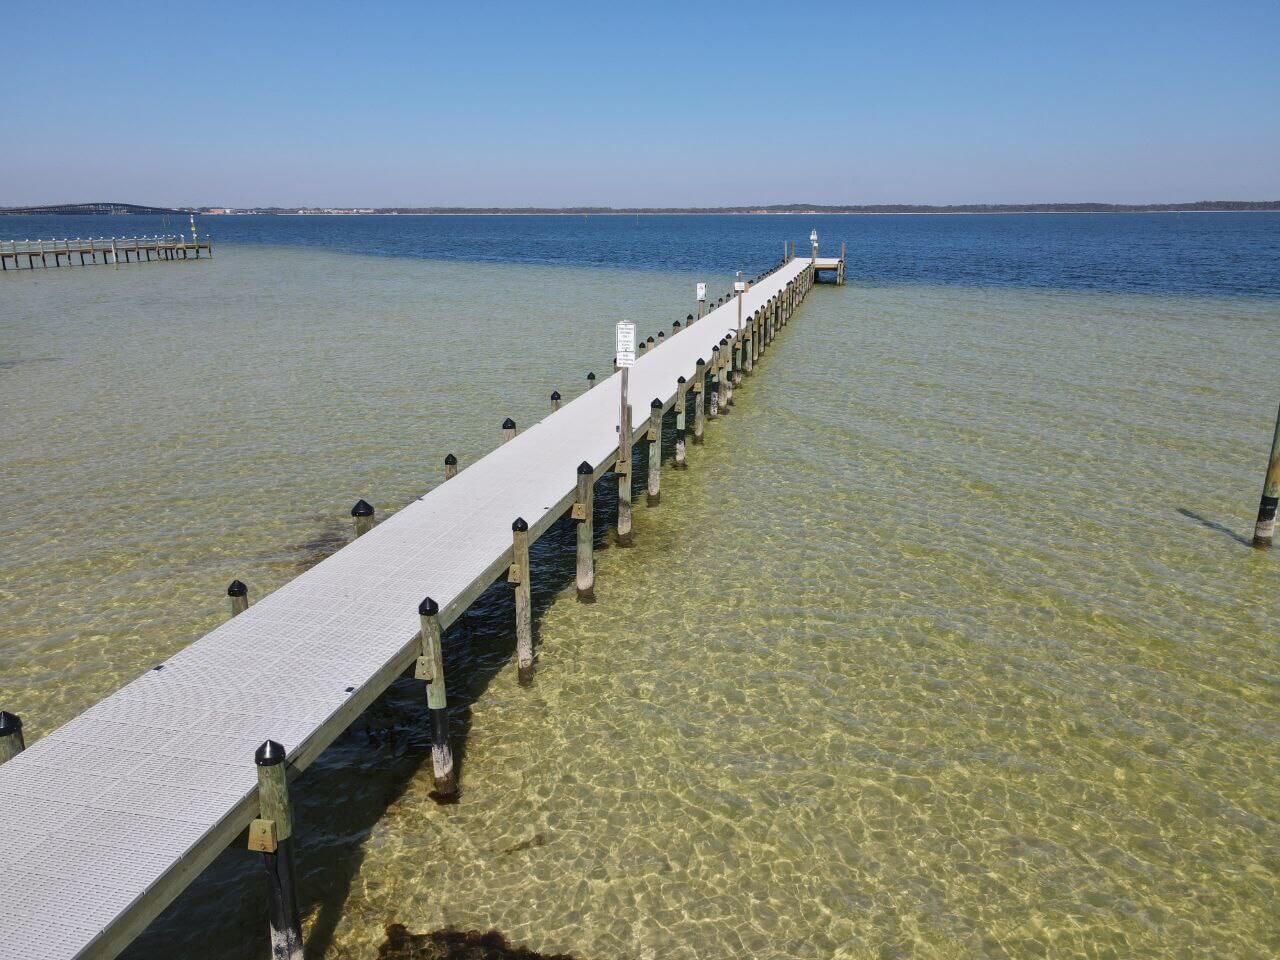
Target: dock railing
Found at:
x=78, y=251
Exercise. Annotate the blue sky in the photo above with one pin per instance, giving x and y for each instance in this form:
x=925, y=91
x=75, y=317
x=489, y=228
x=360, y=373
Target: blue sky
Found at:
x=661, y=104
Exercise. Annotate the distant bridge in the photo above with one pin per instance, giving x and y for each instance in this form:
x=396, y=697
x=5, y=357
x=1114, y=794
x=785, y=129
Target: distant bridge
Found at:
x=81, y=209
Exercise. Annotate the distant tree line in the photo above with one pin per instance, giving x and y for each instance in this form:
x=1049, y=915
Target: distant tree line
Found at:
x=1199, y=205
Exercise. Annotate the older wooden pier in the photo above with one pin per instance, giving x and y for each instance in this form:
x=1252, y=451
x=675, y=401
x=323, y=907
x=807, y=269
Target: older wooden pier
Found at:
x=44, y=254
x=106, y=820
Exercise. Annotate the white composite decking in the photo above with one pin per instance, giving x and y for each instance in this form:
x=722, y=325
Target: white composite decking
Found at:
x=104, y=821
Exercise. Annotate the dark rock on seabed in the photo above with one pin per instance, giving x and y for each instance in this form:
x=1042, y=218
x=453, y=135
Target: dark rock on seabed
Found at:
x=455, y=945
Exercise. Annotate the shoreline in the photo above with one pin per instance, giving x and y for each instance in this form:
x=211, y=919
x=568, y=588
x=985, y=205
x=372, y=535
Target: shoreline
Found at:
x=732, y=213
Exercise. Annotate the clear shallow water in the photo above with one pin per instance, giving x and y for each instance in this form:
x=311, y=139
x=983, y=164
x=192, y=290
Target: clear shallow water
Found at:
x=946, y=646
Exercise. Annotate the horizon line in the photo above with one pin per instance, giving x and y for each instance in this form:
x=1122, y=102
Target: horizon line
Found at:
x=107, y=207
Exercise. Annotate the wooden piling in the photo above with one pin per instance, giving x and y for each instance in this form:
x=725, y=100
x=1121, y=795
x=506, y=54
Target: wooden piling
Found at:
x=430, y=668
x=654, y=485
x=713, y=411
x=583, y=505
x=450, y=466
x=555, y=400
x=508, y=430
x=518, y=577
x=622, y=469
x=699, y=402
x=239, y=595
x=1265, y=528
x=362, y=516
x=726, y=374
x=731, y=370
x=272, y=836
x=749, y=340
x=591, y=380
x=682, y=390
x=728, y=356
x=12, y=742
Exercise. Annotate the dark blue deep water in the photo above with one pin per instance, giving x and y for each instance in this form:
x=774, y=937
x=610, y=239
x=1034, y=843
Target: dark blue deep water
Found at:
x=1217, y=253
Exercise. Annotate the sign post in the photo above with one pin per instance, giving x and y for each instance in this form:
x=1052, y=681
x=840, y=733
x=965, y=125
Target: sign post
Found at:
x=626, y=353
x=739, y=287
x=702, y=299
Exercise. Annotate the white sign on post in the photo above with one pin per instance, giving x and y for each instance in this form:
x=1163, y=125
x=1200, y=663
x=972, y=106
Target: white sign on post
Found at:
x=626, y=348
x=702, y=291
x=739, y=286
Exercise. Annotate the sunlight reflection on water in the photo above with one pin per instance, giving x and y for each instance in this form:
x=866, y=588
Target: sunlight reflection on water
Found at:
x=943, y=647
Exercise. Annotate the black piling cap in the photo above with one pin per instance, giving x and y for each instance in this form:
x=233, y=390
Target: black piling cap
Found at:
x=585, y=468
x=649, y=341
x=428, y=608
x=661, y=334
x=681, y=379
x=361, y=509
x=508, y=424
x=655, y=404
x=555, y=394
x=675, y=324
x=269, y=754
x=689, y=317
x=702, y=362
x=591, y=376
x=519, y=526
x=450, y=460
x=237, y=589
x=10, y=723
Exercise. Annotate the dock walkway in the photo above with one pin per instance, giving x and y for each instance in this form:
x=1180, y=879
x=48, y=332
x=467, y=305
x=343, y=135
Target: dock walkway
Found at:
x=104, y=821
x=23, y=254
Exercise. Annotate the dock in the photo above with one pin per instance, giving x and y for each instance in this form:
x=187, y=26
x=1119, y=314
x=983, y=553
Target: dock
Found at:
x=104, y=821
x=24, y=254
